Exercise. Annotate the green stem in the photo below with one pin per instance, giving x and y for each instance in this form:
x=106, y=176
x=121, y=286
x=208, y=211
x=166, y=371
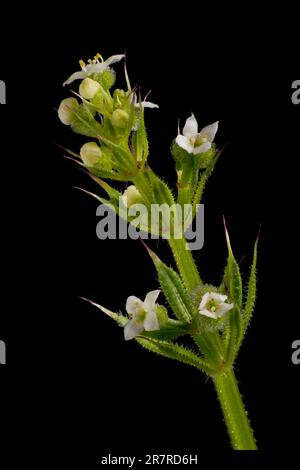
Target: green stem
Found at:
x=185, y=262
x=234, y=412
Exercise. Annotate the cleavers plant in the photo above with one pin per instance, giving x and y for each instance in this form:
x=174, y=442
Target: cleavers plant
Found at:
x=215, y=317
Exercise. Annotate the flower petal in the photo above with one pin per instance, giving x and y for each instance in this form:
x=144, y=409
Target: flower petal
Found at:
x=207, y=313
x=204, y=300
x=148, y=104
x=133, y=305
x=202, y=148
x=114, y=58
x=184, y=143
x=218, y=297
x=132, y=329
x=190, y=127
x=96, y=68
x=209, y=131
x=75, y=76
x=223, y=308
x=151, y=321
x=150, y=299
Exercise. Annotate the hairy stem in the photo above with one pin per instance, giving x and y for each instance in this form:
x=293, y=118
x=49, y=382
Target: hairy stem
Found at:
x=185, y=263
x=235, y=415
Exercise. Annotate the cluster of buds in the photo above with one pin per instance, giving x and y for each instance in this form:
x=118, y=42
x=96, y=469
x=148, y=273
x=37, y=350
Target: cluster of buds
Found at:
x=113, y=119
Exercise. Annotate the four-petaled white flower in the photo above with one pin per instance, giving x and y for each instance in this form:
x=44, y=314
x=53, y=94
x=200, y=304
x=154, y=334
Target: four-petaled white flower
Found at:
x=193, y=141
x=143, y=316
x=214, y=305
x=94, y=66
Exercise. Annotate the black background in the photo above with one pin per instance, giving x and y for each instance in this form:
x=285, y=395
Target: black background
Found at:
x=73, y=390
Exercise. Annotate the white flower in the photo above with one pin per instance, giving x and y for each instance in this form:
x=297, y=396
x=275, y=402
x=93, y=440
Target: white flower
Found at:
x=143, y=316
x=131, y=196
x=66, y=110
x=193, y=141
x=94, y=66
x=213, y=305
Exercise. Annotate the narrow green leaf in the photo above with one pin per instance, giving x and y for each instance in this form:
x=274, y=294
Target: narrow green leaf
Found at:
x=203, y=179
x=176, y=352
x=112, y=192
x=233, y=284
x=140, y=138
x=117, y=317
x=84, y=122
x=235, y=334
x=233, y=280
x=174, y=290
x=162, y=192
x=123, y=156
x=210, y=346
x=168, y=331
x=251, y=291
x=112, y=175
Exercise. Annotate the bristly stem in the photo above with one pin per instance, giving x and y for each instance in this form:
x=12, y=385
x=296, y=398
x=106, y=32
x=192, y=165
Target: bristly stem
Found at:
x=235, y=415
x=185, y=263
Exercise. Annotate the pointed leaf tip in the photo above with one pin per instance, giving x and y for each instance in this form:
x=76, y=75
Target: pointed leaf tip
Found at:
x=103, y=309
x=227, y=237
x=258, y=234
x=153, y=256
x=120, y=319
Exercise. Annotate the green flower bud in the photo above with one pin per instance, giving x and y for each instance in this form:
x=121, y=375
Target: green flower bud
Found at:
x=89, y=88
x=120, y=118
x=120, y=96
x=131, y=196
x=66, y=110
x=90, y=153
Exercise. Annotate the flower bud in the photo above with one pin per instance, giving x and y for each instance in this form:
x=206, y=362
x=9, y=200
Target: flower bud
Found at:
x=66, y=110
x=120, y=118
x=131, y=196
x=90, y=153
x=89, y=88
x=120, y=96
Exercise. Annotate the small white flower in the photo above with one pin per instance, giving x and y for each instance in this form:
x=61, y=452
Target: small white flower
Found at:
x=193, y=141
x=131, y=196
x=143, y=316
x=214, y=305
x=94, y=66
